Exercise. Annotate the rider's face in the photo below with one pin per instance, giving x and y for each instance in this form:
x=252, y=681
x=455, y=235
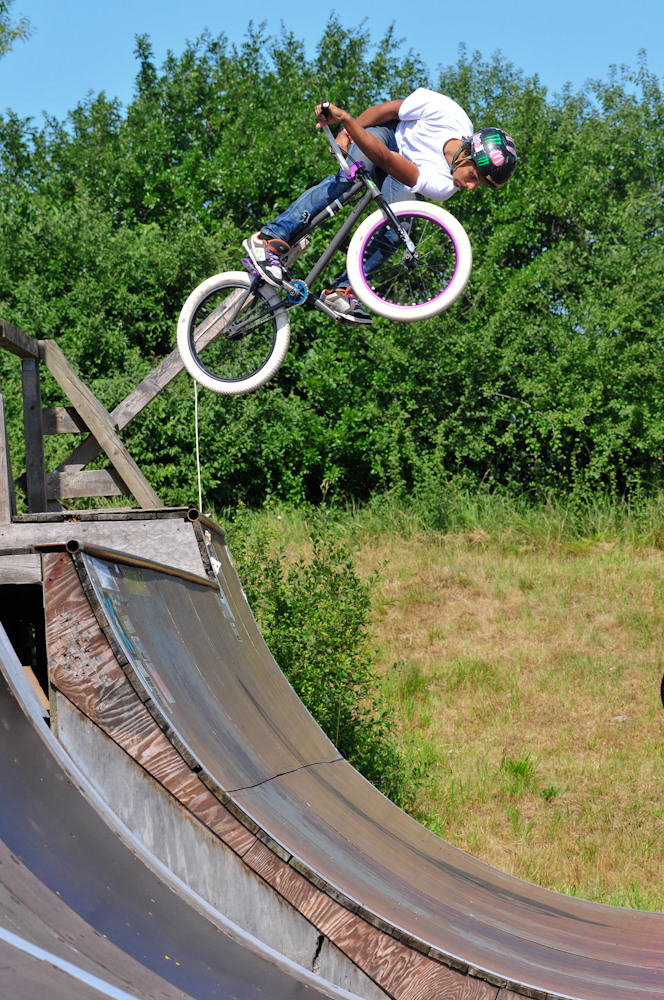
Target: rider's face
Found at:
x=466, y=177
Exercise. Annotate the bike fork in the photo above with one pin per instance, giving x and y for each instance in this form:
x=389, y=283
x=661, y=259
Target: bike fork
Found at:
x=396, y=225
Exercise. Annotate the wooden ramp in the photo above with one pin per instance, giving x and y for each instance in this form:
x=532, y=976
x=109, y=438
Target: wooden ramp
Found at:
x=172, y=668
x=84, y=911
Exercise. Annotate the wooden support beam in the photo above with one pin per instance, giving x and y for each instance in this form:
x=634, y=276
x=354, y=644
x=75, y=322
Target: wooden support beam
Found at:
x=151, y=386
x=13, y=339
x=93, y=483
x=99, y=421
x=34, y=438
x=62, y=420
x=7, y=492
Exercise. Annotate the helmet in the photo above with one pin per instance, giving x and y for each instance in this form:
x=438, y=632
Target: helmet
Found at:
x=494, y=153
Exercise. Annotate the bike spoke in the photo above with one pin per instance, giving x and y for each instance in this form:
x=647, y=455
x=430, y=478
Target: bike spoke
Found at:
x=255, y=320
x=245, y=342
x=411, y=282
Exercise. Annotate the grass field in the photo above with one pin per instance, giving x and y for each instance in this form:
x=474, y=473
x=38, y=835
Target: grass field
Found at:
x=523, y=661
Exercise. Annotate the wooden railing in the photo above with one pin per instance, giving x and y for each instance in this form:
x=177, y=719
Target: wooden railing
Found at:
x=85, y=416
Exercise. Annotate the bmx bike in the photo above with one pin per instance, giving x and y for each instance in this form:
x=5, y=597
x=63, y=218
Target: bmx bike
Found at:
x=234, y=329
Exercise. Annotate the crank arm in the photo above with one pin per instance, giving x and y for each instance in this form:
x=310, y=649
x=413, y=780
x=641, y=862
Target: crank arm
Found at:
x=317, y=304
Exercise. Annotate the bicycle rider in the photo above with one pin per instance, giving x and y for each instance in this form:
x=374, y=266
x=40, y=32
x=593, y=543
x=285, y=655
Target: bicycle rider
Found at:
x=423, y=146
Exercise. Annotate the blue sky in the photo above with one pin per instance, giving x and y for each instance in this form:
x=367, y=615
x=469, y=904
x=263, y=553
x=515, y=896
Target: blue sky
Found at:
x=82, y=45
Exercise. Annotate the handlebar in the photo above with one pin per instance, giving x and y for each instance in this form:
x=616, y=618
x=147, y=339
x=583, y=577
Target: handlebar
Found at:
x=334, y=145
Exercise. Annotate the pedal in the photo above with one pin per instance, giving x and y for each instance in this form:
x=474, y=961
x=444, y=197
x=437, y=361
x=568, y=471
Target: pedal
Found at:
x=321, y=307
x=249, y=266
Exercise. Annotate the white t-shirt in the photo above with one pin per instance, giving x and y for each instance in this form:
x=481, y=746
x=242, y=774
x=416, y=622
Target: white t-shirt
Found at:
x=427, y=121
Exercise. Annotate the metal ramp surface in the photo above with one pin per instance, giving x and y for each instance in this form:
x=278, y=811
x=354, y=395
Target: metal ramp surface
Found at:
x=420, y=917
x=83, y=912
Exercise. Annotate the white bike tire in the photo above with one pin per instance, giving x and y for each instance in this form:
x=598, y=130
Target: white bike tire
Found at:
x=190, y=359
x=444, y=299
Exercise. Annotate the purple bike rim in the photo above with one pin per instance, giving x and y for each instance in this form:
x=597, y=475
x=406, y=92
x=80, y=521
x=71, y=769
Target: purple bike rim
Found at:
x=423, y=215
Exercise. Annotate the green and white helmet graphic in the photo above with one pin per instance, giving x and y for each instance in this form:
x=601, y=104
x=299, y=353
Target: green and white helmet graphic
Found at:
x=494, y=153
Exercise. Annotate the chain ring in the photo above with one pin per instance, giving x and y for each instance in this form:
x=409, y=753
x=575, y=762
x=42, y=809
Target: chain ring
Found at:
x=301, y=296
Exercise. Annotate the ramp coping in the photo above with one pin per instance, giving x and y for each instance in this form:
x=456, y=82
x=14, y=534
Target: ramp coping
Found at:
x=113, y=555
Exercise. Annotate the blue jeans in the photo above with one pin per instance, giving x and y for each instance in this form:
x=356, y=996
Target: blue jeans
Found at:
x=317, y=198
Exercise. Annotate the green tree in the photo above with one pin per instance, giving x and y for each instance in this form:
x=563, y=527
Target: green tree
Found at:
x=544, y=376
x=11, y=32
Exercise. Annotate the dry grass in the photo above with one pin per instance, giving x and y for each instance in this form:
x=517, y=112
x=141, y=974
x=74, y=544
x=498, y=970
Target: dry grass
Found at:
x=529, y=679
x=525, y=675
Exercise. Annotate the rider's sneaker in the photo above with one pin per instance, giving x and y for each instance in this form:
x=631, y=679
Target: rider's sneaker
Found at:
x=344, y=303
x=266, y=254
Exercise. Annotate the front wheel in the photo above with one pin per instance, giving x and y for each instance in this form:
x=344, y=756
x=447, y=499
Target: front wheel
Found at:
x=398, y=285
x=233, y=333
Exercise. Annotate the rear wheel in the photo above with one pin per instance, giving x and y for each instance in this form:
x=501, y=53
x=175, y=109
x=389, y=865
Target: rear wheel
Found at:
x=233, y=333
x=390, y=281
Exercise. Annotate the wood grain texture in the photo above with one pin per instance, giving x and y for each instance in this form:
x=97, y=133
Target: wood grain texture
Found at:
x=403, y=972
x=15, y=340
x=62, y=420
x=108, y=514
x=99, y=421
x=34, y=438
x=83, y=667
x=20, y=569
x=165, y=540
x=95, y=483
x=7, y=492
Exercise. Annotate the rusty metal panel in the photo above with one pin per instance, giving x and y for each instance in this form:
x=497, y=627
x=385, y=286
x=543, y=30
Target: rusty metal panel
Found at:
x=204, y=664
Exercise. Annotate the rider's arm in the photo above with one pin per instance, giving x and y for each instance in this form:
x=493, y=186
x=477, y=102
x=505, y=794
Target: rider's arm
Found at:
x=377, y=115
x=392, y=163
x=380, y=113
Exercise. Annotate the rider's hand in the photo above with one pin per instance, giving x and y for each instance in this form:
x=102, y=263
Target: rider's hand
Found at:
x=334, y=114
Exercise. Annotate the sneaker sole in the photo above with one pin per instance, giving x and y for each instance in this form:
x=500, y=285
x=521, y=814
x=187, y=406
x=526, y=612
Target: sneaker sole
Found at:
x=257, y=264
x=356, y=322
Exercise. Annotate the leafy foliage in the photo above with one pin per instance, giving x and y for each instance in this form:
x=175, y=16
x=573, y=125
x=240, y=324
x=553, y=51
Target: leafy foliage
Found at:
x=12, y=32
x=314, y=616
x=543, y=378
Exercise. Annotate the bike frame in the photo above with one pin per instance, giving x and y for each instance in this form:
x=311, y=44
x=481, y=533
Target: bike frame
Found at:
x=371, y=193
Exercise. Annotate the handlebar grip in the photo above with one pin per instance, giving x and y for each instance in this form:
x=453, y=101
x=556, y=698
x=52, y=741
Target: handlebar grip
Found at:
x=325, y=107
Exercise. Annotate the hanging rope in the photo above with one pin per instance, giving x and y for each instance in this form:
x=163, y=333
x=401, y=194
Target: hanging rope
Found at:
x=198, y=453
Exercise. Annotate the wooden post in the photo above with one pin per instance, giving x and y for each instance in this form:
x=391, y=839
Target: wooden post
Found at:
x=7, y=492
x=13, y=339
x=34, y=437
x=99, y=422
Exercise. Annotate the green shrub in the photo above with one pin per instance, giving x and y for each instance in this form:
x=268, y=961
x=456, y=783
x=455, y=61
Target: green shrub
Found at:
x=314, y=616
